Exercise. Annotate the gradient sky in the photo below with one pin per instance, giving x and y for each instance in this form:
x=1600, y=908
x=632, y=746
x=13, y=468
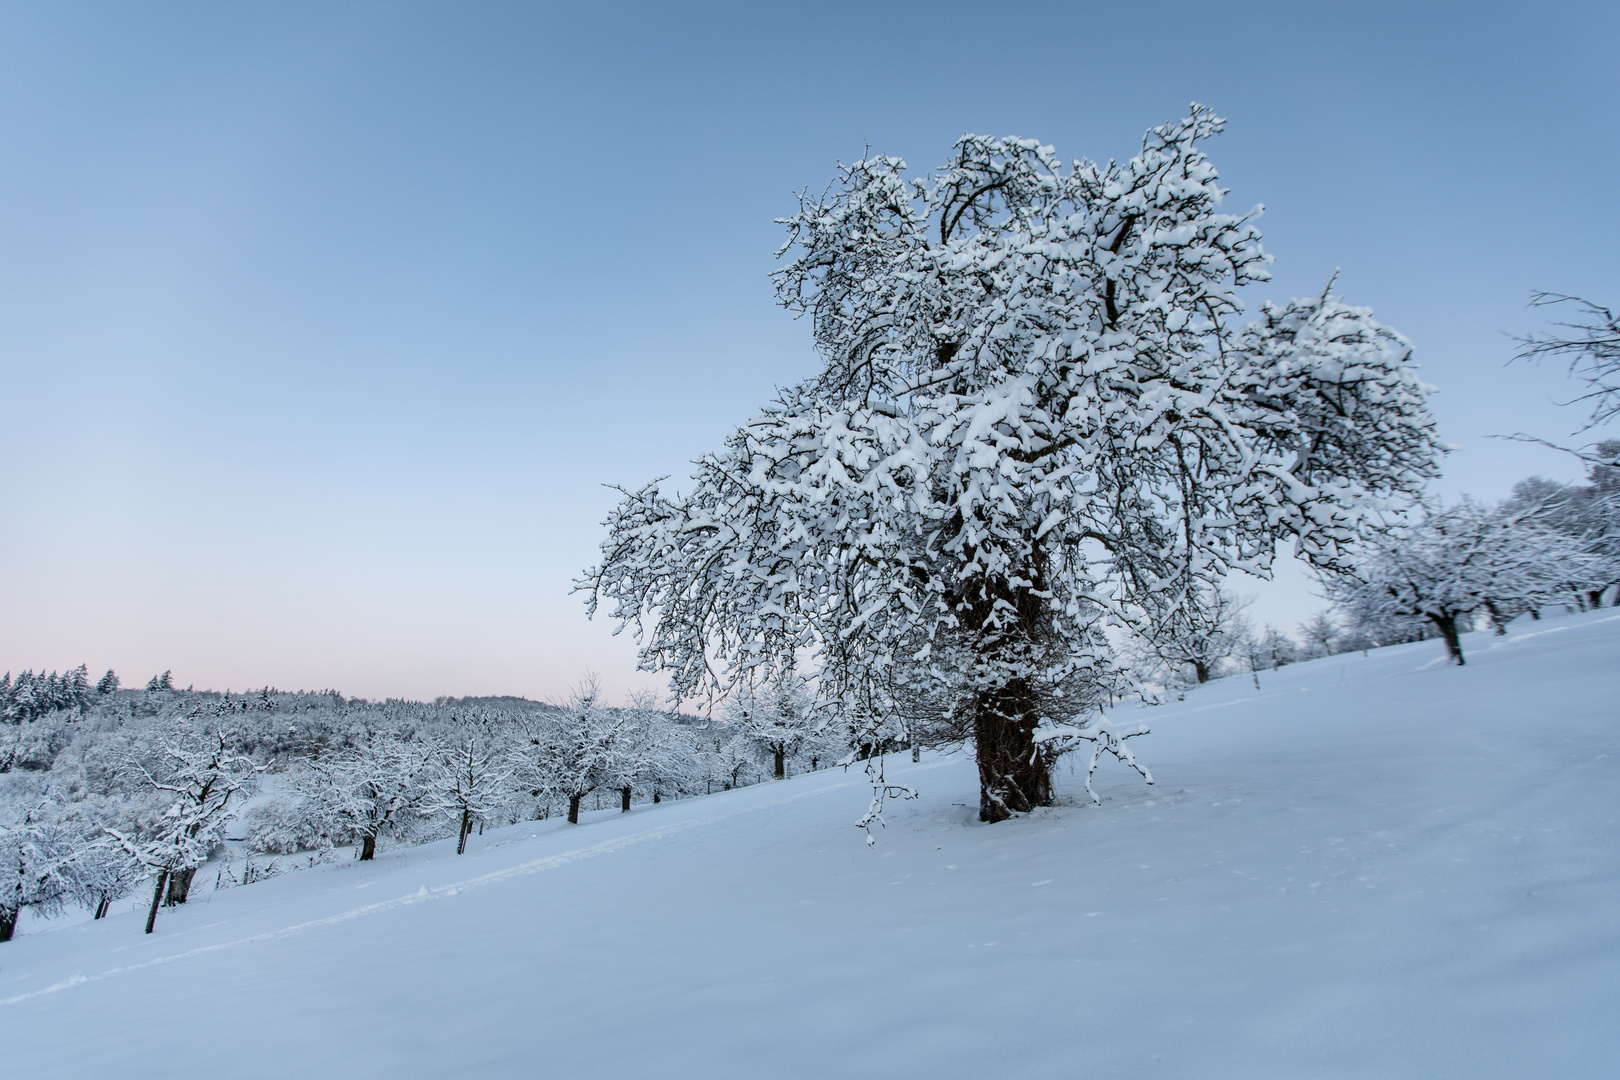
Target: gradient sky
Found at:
x=322, y=327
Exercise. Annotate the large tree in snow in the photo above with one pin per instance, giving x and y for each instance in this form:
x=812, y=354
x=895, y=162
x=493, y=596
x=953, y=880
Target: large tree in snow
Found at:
x=1036, y=415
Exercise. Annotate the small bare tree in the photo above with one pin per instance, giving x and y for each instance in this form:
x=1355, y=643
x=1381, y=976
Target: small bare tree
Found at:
x=1319, y=633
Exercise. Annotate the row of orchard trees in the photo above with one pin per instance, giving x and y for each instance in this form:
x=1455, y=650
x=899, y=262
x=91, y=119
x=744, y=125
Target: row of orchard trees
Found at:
x=1436, y=571
x=1444, y=568
x=121, y=787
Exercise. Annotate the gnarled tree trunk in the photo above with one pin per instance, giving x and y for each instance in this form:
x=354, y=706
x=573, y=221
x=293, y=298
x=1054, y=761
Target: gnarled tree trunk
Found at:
x=368, y=846
x=1013, y=777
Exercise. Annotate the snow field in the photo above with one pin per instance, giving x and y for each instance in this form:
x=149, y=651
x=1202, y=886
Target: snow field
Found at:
x=1373, y=866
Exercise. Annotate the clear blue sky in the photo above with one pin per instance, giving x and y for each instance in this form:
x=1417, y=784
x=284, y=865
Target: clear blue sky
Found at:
x=322, y=326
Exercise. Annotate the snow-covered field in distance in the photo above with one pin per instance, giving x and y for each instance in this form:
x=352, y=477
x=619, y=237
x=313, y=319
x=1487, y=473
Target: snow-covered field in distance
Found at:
x=1373, y=866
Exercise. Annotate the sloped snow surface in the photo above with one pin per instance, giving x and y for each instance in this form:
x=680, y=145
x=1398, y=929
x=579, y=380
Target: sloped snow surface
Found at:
x=1373, y=866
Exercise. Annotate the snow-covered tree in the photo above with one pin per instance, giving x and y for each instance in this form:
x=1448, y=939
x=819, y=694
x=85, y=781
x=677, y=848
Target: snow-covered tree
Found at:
x=31, y=696
x=189, y=779
x=651, y=753
x=728, y=758
x=570, y=752
x=102, y=872
x=469, y=781
x=1320, y=633
x=196, y=774
x=1036, y=415
x=1588, y=514
x=371, y=789
x=776, y=718
x=1200, y=632
x=37, y=856
x=1450, y=562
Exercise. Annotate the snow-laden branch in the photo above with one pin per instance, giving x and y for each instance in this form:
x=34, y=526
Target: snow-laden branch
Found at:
x=1104, y=738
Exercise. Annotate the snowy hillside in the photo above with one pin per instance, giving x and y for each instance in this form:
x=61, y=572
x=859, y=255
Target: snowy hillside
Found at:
x=1372, y=866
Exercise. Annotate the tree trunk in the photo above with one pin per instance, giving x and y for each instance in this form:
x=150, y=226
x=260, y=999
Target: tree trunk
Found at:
x=1447, y=625
x=573, y=809
x=157, y=897
x=1201, y=669
x=180, y=886
x=466, y=830
x=1498, y=624
x=103, y=905
x=656, y=798
x=916, y=752
x=781, y=763
x=1595, y=598
x=8, y=922
x=624, y=800
x=1013, y=774
x=368, y=846
x=1013, y=778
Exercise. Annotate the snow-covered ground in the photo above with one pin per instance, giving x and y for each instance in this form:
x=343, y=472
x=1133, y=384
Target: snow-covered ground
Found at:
x=1374, y=866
